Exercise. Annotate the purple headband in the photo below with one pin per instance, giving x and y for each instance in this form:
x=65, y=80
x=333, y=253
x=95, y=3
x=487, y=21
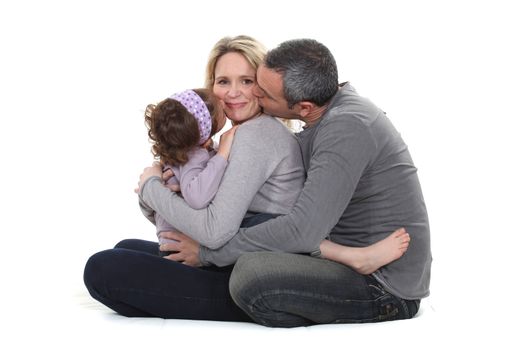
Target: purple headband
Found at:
x=196, y=106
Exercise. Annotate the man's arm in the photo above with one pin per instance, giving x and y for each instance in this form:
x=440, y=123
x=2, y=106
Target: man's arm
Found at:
x=342, y=149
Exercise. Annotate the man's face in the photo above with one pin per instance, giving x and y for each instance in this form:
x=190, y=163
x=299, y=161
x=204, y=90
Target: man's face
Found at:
x=269, y=91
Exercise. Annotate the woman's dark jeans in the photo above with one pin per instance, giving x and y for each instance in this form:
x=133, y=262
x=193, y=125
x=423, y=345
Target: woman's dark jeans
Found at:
x=133, y=280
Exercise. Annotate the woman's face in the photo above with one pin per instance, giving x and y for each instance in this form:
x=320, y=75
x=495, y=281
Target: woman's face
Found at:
x=234, y=81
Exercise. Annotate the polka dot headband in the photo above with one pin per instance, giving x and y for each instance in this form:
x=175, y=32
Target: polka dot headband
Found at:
x=196, y=106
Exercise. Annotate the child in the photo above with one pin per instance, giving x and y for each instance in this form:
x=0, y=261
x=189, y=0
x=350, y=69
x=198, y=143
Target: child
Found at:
x=181, y=128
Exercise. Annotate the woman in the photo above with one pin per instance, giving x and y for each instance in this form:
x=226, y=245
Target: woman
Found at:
x=132, y=280
x=265, y=171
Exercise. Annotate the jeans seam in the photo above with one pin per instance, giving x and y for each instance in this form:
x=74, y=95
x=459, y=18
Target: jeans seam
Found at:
x=159, y=294
x=405, y=307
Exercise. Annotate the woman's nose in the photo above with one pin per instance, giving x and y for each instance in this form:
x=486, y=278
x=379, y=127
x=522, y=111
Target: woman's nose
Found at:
x=234, y=91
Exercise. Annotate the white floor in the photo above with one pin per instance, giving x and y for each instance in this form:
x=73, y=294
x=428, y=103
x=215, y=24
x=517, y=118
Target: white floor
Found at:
x=78, y=322
x=137, y=333
x=75, y=77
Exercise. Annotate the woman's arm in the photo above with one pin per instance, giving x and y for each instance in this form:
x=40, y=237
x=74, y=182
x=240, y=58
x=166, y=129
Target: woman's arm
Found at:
x=153, y=171
x=147, y=211
x=252, y=161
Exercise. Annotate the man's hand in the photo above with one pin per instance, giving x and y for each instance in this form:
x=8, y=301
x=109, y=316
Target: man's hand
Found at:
x=187, y=250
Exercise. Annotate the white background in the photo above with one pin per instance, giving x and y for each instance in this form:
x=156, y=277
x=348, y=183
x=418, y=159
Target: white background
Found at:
x=75, y=77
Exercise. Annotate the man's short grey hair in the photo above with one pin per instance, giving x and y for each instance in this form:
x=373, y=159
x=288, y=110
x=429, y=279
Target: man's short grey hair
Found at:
x=308, y=68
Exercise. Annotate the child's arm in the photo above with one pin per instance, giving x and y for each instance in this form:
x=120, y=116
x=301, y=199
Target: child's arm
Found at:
x=225, y=144
x=200, y=176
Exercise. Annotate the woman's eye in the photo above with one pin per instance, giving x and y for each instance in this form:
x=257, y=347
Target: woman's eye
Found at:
x=247, y=81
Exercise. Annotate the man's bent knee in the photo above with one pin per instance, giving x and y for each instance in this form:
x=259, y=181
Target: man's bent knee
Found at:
x=243, y=277
x=256, y=286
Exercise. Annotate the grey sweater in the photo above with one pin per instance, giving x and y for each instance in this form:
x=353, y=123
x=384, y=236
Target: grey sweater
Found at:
x=265, y=174
x=361, y=185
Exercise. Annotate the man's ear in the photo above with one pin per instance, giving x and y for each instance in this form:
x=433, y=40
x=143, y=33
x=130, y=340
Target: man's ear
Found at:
x=305, y=108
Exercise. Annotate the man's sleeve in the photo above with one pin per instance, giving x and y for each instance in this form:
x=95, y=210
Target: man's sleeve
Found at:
x=341, y=152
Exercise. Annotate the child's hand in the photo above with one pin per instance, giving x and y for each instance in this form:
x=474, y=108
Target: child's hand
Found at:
x=208, y=144
x=225, y=144
x=168, y=174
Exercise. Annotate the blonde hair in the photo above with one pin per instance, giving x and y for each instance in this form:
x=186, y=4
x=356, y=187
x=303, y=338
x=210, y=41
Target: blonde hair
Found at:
x=252, y=50
x=247, y=46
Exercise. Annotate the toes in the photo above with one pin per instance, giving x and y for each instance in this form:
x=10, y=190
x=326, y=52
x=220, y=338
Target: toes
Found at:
x=399, y=232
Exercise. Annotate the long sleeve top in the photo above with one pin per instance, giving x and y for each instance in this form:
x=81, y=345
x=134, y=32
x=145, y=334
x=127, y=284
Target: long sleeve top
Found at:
x=361, y=185
x=199, y=180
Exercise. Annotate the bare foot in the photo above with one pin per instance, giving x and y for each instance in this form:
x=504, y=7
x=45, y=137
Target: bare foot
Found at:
x=368, y=259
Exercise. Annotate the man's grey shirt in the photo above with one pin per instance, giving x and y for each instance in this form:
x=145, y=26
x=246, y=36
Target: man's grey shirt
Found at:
x=361, y=185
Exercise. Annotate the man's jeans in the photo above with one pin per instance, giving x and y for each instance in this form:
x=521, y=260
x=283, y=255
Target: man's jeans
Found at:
x=289, y=290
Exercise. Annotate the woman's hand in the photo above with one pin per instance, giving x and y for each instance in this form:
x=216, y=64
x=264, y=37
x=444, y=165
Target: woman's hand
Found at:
x=187, y=249
x=154, y=170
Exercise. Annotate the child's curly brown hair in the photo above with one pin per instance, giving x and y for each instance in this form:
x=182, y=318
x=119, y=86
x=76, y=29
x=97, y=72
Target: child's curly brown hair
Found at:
x=174, y=131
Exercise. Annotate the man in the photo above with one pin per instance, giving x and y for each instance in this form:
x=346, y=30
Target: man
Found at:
x=361, y=185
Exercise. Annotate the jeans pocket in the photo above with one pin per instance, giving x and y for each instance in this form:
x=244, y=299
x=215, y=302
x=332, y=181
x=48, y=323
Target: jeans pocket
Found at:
x=388, y=308
x=388, y=305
